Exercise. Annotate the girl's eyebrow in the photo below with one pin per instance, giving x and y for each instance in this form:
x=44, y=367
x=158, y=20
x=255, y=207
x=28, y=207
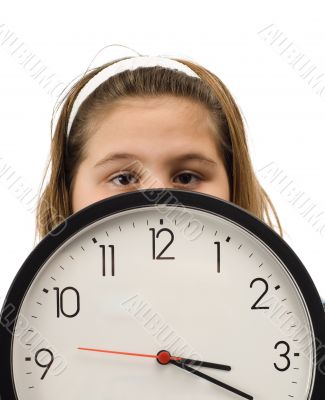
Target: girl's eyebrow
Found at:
x=127, y=156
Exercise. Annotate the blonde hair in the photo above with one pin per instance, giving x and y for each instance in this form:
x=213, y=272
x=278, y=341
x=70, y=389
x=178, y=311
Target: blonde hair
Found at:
x=66, y=154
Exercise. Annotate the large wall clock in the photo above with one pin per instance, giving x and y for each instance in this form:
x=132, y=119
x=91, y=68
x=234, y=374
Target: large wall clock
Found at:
x=162, y=294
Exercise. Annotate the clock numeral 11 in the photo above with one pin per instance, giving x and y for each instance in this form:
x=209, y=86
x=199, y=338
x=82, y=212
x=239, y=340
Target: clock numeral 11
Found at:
x=103, y=247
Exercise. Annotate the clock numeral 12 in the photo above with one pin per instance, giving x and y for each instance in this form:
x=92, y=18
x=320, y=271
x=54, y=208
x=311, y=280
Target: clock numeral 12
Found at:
x=103, y=247
x=154, y=236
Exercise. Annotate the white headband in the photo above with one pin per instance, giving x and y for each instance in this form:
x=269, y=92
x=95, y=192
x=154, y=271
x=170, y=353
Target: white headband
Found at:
x=120, y=66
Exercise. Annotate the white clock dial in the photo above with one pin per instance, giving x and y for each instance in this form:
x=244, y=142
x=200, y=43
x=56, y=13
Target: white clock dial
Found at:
x=138, y=282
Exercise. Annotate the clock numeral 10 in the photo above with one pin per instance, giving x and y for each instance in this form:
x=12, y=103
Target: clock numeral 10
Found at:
x=103, y=247
x=60, y=301
x=154, y=237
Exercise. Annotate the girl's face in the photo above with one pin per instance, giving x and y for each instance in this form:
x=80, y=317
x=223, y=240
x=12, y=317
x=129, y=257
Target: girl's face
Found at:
x=158, y=142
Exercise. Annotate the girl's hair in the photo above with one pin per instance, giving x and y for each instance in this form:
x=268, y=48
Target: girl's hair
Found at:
x=54, y=204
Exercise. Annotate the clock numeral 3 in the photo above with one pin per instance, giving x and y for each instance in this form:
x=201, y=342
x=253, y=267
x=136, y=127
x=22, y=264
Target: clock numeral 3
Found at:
x=39, y=359
x=154, y=237
x=60, y=301
x=283, y=355
x=103, y=247
x=255, y=306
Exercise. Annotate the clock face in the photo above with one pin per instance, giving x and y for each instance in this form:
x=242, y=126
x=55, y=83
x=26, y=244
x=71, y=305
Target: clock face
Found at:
x=131, y=298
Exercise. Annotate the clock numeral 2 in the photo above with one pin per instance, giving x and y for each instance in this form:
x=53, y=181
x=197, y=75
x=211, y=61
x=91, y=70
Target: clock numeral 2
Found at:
x=103, y=247
x=154, y=236
x=60, y=301
x=255, y=306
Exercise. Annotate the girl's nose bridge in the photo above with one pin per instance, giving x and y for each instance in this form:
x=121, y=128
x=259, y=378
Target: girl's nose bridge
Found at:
x=155, y=178
x=152, y=174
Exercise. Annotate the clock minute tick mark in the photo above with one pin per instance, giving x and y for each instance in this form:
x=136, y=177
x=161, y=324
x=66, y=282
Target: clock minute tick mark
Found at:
x=239, y=246
x=45, y=290
x=161, y=221
x=94, y=240
x=228, y=238
x=277, y=287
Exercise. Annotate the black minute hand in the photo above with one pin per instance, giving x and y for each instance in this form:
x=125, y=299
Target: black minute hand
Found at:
x=213, y=380
x=204, y=364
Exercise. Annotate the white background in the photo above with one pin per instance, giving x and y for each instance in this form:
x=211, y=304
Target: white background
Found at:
x=284, y=114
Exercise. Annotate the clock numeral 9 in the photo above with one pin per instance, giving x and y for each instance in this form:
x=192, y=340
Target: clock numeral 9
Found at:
x=255, y=306
x=103, y=247
x=283, y=355
x=60, y=301
x=38, y=360
x=154, y=236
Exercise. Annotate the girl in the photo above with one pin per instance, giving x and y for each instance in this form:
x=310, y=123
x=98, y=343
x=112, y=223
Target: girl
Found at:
x=166, y=118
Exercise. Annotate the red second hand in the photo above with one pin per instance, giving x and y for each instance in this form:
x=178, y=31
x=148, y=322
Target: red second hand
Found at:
x=163, y=356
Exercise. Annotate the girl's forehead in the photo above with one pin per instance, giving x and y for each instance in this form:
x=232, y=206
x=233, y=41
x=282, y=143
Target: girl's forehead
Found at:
x=161, y=120
x=153, y=128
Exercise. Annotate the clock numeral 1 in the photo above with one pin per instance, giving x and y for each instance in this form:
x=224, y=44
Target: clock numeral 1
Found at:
x=154, y=236
x=103, y=247
x=60, y=301
x=218, y=256
x=38, y=360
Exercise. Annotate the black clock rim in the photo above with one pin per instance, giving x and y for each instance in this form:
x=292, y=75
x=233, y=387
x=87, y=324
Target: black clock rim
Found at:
x=150, y=197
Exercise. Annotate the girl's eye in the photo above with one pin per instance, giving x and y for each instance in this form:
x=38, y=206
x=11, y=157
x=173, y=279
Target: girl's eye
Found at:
x=187, y=176
x=125, y=178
